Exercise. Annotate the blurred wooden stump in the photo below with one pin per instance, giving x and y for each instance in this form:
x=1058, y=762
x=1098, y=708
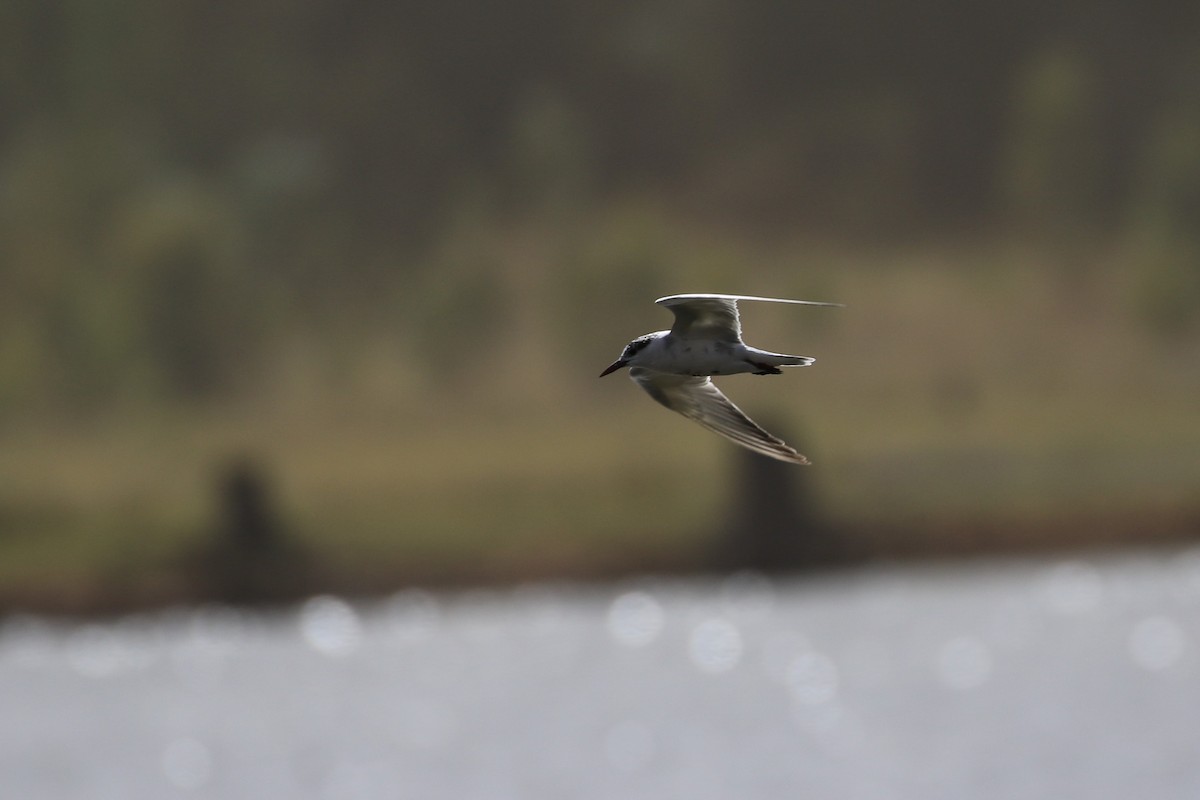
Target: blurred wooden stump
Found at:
x=773, y=522
x=249, y=557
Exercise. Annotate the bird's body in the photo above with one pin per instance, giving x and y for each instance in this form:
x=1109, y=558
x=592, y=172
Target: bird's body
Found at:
x=666, y=352
x=674, y=367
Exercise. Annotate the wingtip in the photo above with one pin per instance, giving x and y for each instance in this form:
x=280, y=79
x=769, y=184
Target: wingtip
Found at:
x=777, y=450
x=797, y=459
x=736, y=297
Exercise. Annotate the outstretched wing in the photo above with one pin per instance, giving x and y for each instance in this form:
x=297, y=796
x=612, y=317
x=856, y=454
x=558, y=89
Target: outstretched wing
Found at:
x=698, y=399
x=714, y=316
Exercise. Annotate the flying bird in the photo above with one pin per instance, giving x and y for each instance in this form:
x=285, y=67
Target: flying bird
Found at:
x=675, y=367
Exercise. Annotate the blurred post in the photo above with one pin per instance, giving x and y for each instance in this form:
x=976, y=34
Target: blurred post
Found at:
x=773, y=523
x=249, y=558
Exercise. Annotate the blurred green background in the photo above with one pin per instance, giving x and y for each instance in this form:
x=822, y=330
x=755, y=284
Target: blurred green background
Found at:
x=365, y=260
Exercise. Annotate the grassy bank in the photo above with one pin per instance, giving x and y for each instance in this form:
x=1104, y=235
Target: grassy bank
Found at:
x=974, y=390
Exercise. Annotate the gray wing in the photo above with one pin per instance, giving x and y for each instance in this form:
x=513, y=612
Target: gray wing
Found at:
x=704, y=316
x=714, y=316
x=698, y=399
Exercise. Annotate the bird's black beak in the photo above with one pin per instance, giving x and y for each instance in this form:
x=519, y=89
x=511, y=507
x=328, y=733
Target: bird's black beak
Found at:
x=613, y=367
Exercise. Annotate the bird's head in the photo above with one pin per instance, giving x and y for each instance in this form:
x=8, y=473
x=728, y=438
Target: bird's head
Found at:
x=631, y=351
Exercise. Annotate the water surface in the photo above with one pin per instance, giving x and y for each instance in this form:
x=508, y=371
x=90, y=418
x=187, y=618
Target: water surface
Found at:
x=1076, y=678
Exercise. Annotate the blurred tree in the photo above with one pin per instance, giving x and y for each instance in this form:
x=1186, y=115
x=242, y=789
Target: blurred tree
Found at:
x=196, y=305
x=1164, y=221
x=454, y=312
x=62, y=190
x=326, y=147
x=550, y=163
x=1051, y=173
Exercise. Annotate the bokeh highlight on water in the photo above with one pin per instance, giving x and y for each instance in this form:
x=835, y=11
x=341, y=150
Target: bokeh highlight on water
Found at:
x=1012, y=680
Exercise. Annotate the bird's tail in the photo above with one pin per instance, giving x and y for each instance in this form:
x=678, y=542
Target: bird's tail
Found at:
x=782, y=359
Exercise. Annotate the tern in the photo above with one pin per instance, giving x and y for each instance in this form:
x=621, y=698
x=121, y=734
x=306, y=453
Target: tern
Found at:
x=675, y=367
